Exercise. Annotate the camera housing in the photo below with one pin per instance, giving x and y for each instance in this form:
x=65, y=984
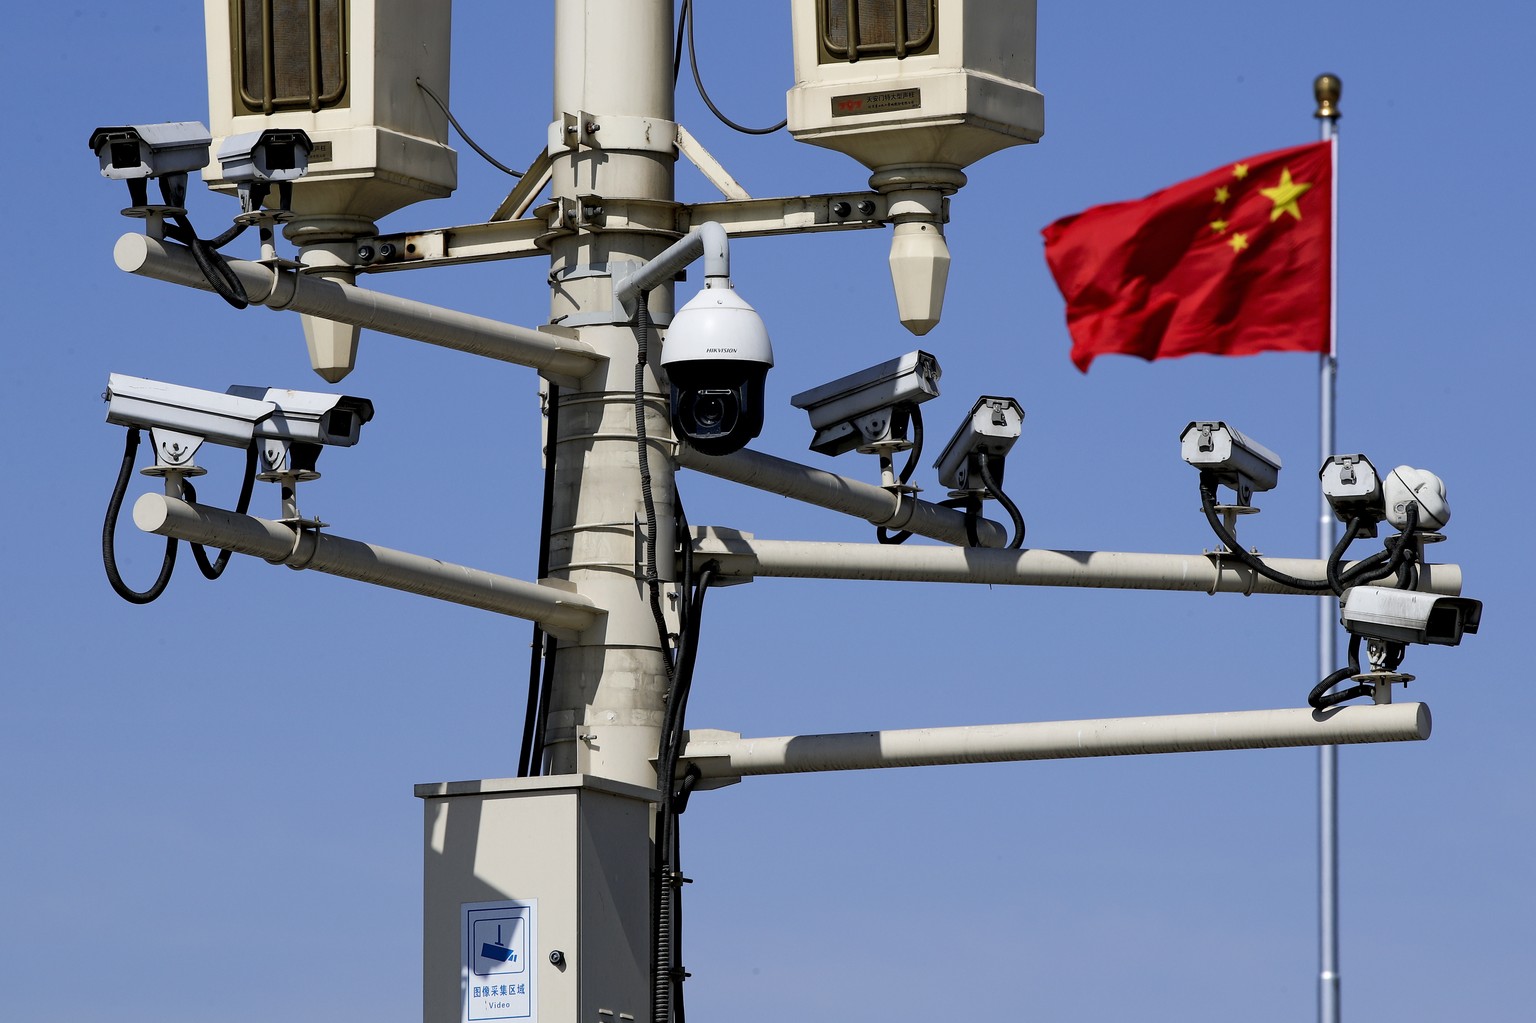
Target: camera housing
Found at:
x=1404, y=616
x=717, y=356
x=871, y=406
x=304, y=421
x=180, y=419
x=1235, y=460
x=1353, y=489
x=1406, y=486
x=137, y=152
x=256, y=160
x=991, y=428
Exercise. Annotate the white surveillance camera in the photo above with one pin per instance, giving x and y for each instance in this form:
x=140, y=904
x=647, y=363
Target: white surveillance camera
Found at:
x=717, y=356
x=303, y=422
x=1406, y=486
x=256, y=160
x=991, y=428
x=136, y=152
x=869, y=407
x=1404, y=616
x=1236, y=461
x=180, y=418
x=1353, y=489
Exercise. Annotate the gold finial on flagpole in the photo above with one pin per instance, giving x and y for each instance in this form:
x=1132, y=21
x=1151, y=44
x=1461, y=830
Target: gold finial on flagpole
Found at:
x=1327, y=89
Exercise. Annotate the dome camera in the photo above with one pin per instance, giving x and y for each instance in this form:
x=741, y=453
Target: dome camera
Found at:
x=717, y=356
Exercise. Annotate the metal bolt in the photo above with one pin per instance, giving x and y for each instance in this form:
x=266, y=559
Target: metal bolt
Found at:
x=386, y=251
x=365, y=253
x=841, y=209
x=593, y=127
x=866, y=206
x=557, y=958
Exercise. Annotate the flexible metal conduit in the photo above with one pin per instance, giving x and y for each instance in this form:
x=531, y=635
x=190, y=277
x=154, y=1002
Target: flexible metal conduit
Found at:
x=1054, y=740
x=346, y=303
x=553, y=608
x=839, y=493
x=746, y=557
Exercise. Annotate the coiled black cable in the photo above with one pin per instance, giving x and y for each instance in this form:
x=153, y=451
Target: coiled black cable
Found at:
x=109, y=528
x=216, y=269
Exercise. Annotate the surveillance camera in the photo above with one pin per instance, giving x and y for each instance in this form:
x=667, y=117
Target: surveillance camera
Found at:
x=871, y=406
x=717, y=356
x=1403, y=616
x=181, y=418
x=1353, y=489
x=135, y=152
x=256, y=160
x=991, y=428
x=1405, y=487
x=1233, y=459
x=304, y=421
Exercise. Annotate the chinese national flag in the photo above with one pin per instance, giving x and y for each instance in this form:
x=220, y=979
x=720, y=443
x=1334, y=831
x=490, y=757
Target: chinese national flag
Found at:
x=1230, y=263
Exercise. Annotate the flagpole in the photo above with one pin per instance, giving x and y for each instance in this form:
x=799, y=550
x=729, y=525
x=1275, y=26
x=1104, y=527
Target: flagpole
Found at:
x=1327, y=89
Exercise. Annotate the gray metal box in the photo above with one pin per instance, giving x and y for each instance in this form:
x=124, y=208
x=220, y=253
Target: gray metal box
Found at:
x=519, y=869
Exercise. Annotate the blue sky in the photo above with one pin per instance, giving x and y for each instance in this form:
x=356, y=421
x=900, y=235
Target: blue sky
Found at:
x=211, y=812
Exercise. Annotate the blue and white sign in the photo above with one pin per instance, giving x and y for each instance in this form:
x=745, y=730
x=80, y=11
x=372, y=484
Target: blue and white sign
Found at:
x=499, y=942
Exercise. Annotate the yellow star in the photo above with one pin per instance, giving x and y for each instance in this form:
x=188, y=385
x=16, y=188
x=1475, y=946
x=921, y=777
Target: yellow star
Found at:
x=1219, y=226
x=1222, y=195
x=1238, y=241
x=1284, y=196
x=1239, y=171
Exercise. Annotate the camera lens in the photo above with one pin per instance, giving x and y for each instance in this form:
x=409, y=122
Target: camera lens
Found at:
x=715, y=412
x=708, y=410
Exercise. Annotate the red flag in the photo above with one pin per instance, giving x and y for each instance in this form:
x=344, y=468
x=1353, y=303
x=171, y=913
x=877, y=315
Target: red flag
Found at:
x=1230, y=263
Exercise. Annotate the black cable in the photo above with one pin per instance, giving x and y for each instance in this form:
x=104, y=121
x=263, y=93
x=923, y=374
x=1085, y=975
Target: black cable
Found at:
x=541, y=651
x=677, y=42
x=1208, y=505
x=652, y=575
x=881, y=533
x=997, y=492
x=1352, y=531
x=215, y=568
x=666, y=994
x=693, y=62
x=464, y=134
x=108, y=542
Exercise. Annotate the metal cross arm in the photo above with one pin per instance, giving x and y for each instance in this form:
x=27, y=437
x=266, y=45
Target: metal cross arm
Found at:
x=562, y=359
x=742, y=556
x=723, y=757
x=558, y=610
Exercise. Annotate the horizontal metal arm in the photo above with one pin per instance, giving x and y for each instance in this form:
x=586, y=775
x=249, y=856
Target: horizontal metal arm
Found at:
x=345, y=303
x=839, y=493
x=743, y=556
x=559, y=611
x=732, y=758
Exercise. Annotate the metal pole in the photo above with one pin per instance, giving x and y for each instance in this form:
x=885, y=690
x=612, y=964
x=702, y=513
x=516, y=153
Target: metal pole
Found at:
x=736, y=757
x=1327, y=89
x=612, y=72
x=281, y=544
x=743, y=556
